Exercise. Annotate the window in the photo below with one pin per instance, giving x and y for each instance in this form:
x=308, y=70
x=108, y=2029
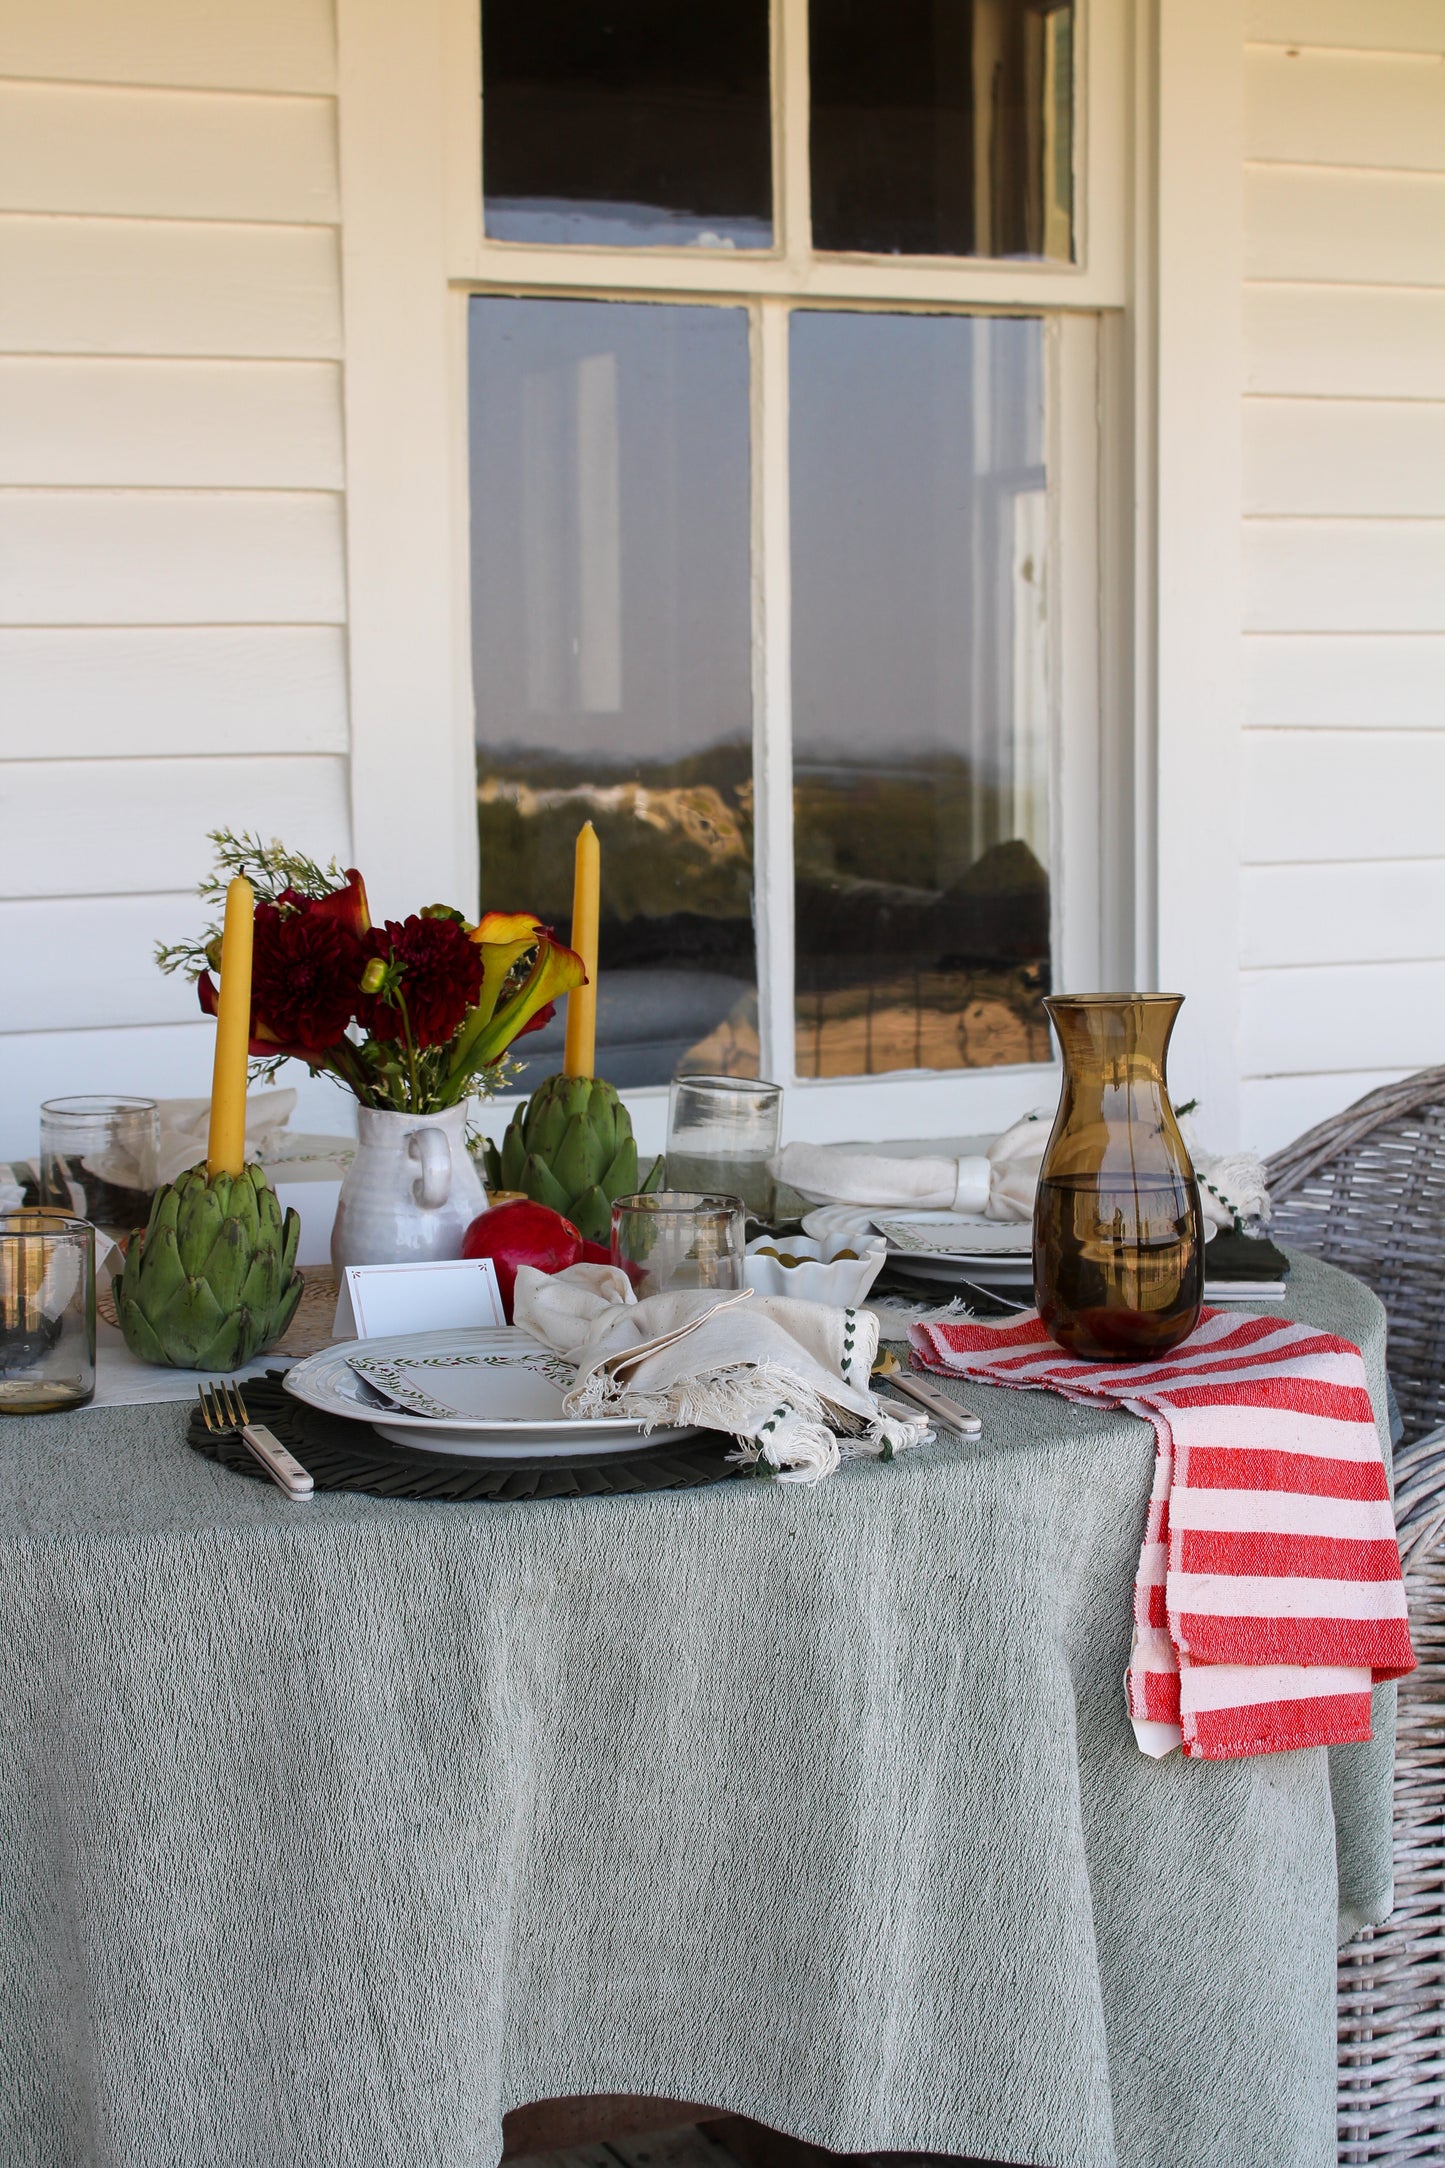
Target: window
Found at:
x=781, y=396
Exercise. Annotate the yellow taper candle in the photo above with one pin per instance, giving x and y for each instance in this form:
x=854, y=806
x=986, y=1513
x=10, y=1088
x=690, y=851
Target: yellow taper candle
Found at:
x=580, y=1058
x=226, y=1150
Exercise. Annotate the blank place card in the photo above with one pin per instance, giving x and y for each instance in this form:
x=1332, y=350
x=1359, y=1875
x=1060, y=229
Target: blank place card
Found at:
x=381, y=1299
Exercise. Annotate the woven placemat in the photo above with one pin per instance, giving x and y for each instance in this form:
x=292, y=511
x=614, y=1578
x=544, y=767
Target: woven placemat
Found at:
x=343, y=1455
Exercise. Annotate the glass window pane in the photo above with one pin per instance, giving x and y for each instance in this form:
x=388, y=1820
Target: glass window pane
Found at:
x=612, y=658
x=943, y=127
x=631, y=122
x=920, y=692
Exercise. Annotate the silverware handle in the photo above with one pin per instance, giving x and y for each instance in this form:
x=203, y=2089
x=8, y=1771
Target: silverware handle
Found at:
x=961, y=1419
x=281, y=1466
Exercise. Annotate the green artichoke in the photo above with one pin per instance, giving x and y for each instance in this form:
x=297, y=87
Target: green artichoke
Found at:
x=572, y=1147
x=211, y=1280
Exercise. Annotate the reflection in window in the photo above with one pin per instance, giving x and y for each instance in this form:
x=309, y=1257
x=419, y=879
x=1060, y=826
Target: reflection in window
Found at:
x=920, y=692
x=612, y=662
x=627, y=122
x=942, y=127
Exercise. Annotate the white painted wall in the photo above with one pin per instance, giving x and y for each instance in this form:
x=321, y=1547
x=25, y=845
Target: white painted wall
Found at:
x=175, y=440
x=172, y=544
x=1343, y=834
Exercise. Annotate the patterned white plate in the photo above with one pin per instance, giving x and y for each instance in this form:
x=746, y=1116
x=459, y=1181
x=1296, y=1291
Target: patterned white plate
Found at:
x=965, y=1237
x=491, y=1394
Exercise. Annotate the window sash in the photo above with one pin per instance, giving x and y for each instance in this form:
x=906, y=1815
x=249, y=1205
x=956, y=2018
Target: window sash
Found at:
x=1089, y=801
x=1098, y=279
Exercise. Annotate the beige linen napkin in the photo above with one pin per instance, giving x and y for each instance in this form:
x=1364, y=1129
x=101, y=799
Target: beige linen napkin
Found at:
x=788, y=1379
x=999, y=1184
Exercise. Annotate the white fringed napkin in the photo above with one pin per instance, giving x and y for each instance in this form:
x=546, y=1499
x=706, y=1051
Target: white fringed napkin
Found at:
x=1000, y=1184
x=788, y=1379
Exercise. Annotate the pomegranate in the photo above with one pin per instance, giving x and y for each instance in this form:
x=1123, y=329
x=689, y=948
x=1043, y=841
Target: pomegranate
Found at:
x=522, y=1233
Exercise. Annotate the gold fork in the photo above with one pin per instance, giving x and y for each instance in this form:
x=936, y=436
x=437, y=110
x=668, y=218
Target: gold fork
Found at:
x=223, y=1409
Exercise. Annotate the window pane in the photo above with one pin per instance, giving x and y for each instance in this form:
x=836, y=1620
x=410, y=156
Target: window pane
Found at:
x=611, y=658
x=633, y=122
x=920, y=692
x=942, y=127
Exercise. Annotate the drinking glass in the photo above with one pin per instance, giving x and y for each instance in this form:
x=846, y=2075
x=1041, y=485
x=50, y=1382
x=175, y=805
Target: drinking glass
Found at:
x=721, y=1133
x=47, y=1311
x=678, y=1239
x=98, y=1159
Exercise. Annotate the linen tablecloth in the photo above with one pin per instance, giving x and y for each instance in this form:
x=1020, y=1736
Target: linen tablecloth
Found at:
x=332, y=1832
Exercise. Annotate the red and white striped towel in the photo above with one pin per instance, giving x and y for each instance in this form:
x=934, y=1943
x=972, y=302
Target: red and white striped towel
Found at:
x=1269, y=1595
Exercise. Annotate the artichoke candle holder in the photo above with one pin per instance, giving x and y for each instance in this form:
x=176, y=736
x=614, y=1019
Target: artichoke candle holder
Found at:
x=210, y=1281
x=572, y=1148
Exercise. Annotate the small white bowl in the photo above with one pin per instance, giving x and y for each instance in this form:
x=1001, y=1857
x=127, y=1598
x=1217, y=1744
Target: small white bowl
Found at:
x=840, y=1281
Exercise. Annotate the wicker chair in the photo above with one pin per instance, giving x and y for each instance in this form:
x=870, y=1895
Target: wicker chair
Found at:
x=1367, y=1191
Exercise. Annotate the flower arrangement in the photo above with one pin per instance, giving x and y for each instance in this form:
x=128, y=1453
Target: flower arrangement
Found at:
x=413, y=1015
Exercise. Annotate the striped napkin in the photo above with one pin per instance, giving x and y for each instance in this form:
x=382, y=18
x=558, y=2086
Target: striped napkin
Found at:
x=1269, y=1596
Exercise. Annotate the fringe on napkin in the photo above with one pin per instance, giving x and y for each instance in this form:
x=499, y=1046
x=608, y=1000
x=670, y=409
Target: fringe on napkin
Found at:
x=775, y=1417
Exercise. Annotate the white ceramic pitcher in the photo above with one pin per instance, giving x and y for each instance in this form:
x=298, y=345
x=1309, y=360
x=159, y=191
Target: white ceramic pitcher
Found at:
x=410, y=1193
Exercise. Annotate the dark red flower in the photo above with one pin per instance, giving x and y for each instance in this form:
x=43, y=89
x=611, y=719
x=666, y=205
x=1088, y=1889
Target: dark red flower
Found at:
x=435, y=968
x=307, y=960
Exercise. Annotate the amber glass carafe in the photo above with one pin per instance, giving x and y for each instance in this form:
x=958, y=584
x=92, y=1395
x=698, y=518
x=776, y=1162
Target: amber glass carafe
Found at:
x=1118, y=1233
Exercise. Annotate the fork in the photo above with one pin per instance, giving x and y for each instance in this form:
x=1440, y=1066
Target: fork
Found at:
x=223, y=1409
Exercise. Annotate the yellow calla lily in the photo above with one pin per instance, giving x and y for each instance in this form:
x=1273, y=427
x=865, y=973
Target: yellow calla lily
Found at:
x=503, y=937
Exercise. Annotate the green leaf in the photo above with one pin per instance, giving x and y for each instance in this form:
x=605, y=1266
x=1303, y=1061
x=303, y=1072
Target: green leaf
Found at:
x=543, y=1187
x=591, y=1215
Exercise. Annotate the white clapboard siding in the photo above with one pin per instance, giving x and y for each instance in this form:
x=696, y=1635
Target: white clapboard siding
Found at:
x=1317, y=223
x=217, y=44
x=1345, y=681
x=106, y=827
x=1375, y=457
x=177, y=557
x=101, y=692
x=1382, y=26
x=1362, y=342
x=1274, y=1110
x=117, y=937
x=1332, y=1016
x=167, y=153
x=154, y=1061
x=1376, y=912
x=1344, y=575
x=1311, y=796
x=1344, y=109
x=115, y=286
x=83, y=421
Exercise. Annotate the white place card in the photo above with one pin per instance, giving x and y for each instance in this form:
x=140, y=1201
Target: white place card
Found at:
x=378, y=1299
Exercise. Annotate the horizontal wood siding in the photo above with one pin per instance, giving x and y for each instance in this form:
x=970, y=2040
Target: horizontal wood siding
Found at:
x=1343, y=885
x=172, y=467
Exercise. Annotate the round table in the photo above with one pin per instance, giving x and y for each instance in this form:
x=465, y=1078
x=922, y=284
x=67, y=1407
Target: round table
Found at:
x=334, y=1831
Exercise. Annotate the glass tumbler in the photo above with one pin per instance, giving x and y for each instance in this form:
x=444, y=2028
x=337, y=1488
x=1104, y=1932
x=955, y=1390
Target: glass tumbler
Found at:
x=678, y=1239
x=98, y=1159
x=1118, y=1231
x=721, y=1133
x=47, y=1311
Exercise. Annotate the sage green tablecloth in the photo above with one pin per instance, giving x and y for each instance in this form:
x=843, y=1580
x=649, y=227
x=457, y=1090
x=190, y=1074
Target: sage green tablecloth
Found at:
x=331, y=1832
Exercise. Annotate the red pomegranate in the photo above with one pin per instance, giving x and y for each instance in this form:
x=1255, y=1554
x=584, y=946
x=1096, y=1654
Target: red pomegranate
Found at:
x=522, y=1234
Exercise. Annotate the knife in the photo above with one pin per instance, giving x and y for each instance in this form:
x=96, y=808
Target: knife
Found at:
x=936, y=1403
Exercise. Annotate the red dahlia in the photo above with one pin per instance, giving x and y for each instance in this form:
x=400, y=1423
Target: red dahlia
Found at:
x=436, y=969
x=304, y=974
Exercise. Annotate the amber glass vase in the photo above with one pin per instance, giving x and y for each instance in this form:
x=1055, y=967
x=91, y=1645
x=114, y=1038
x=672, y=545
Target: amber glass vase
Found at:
x=1118, y=1232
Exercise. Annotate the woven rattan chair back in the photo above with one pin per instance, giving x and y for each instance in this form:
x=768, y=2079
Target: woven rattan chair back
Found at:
x=1366, y=1190
x=1391, y=1979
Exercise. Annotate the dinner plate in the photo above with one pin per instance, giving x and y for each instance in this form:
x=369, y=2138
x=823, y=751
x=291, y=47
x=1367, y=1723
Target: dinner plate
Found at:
x=491, y=1394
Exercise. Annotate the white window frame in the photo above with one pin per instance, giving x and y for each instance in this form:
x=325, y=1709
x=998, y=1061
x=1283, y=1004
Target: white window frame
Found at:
x=414, y=251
